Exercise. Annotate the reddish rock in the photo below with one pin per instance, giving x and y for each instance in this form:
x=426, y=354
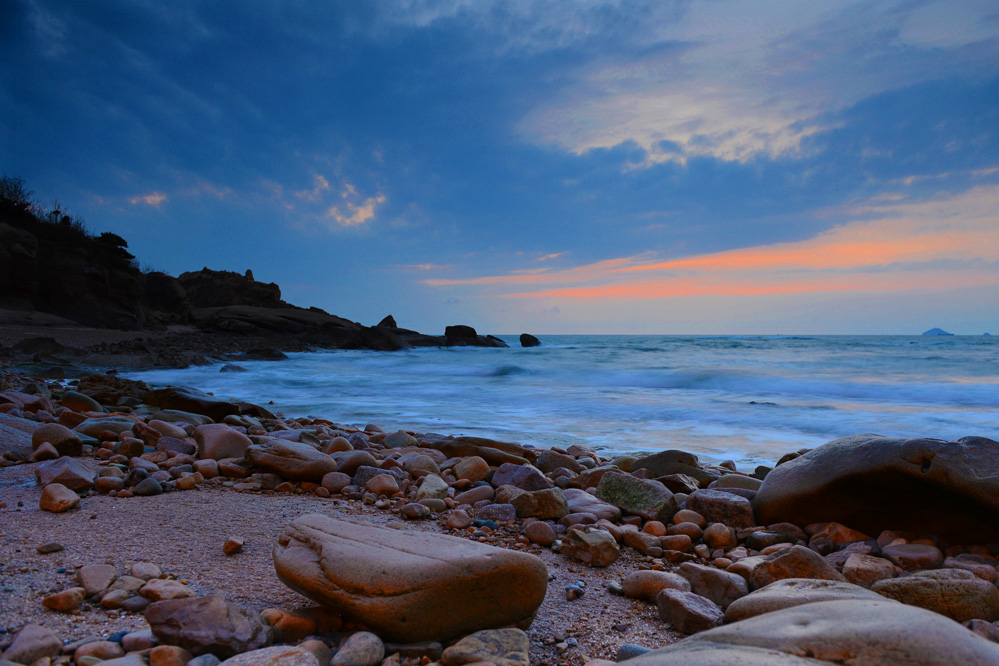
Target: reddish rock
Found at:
x=70, y=472
x=57, y=498
x=64, y=440
x=218, y=441
x=687, y=612
x=207, y=624
x=408, y=585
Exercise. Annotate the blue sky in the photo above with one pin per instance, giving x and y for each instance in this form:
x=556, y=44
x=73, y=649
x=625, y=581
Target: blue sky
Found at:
x=733, y=166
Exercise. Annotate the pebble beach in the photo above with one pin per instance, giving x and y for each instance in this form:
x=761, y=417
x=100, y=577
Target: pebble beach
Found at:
x=159, y=526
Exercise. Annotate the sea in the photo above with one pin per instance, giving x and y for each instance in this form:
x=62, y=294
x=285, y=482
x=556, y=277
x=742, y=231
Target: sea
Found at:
x=749, y=399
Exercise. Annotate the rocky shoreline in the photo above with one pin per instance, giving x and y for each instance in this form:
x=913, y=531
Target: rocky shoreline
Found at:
x=167, y=526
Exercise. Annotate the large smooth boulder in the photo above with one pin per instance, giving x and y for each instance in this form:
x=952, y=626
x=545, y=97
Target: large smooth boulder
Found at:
x=65, y=441
x=648, y=499
x=859, y=633
x=207, y=624
x=409, y=586
x=191, y=400
x=218, y=441
x=296, y=461
x=689, y=653
x=872, y=483
x=791, y=592
x=958, y=594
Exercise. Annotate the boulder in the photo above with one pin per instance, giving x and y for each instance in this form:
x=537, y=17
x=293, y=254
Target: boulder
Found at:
x=547, y=504
x=362, y=648
x=581, y=501
x=279, y=655
x=528, y=340
x=407, y=585
x=70, y=472
x=793, y=562
x=718, y=506
x=689, y=613
x=57, y=498
x=502, y=647
x=525, y=477
x=592, y=546
x=856, y=632
x=865, y=570
x=549, y=461
x=648, y=499
x=65, y=441
x=721, y=587
x=31, y=643
x=791, y=592
x=207, y=624
x=958, y=594
x=295, y=461
x=217, y=441
x=873, y=483
x=689, y=653
x=191, y=400
x=646, y=584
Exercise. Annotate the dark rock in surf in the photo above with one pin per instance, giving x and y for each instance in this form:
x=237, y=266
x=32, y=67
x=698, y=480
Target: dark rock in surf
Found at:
x=528, y=340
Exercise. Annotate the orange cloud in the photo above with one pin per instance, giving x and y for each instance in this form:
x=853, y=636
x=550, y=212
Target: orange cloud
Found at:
x=951, y=242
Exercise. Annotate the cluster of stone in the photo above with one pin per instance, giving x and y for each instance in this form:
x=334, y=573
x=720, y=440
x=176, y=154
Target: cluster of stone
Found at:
x=727, y=554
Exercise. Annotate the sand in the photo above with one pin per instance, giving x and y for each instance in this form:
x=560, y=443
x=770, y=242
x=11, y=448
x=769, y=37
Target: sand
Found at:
x=183, y=533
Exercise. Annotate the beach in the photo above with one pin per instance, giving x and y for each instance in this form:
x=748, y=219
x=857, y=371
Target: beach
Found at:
x=179, y=497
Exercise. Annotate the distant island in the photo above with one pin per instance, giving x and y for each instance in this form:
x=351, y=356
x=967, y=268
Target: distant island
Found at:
x=937, y=331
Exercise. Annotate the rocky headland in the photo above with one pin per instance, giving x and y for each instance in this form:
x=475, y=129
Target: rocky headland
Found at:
x=67, y=285
x=167, y=526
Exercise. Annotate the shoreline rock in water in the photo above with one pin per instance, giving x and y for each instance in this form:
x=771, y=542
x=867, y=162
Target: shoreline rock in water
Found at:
x=823, y=542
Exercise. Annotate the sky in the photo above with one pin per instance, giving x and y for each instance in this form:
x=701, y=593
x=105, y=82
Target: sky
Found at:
x=687, y=167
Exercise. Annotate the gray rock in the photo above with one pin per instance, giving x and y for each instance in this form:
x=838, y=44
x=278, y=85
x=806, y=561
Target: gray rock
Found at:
x=361, y=648
x=713, y=583
x=958, y=594
x=31, y=643
x=689, y=613
x=648, y=499
x=719, y=506
x=547, y=504
x=295, y=461
x=207, y=624
x=70, y=472
x=791, y=592
x=859, y=633
x=525, y=477
x=503, y=647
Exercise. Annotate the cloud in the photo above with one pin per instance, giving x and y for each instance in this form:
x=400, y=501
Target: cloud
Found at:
x=886, y=246
x=152, y=199
x=350, y=214
x=549, y=257
x=734, y=82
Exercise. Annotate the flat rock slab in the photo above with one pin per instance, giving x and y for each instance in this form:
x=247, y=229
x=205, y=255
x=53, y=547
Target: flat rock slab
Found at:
x=871, y=483
x=688, y=653
x=792, y=592
x=409, y=586
x=859, y=633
